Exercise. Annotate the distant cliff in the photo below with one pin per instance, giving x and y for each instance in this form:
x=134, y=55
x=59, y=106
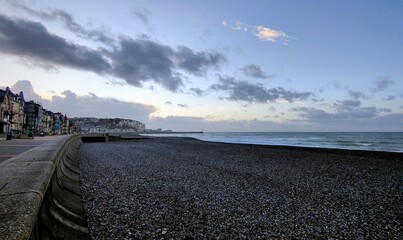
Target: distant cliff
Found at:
x=90, y=124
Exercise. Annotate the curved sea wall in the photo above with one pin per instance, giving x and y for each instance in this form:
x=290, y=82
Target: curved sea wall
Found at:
x=40, y=193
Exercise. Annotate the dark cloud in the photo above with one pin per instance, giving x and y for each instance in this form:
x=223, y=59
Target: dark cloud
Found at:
x=141, y=60
x=168, y=102
x=245, y=91
x=346, y=104
x=68, y=20
x=32, y=40
x=319, y=115
x=91, y=105
x=390, y=98
x=94, y=34
x=357, y=95
x=358, y=119
x=343, y=110
x=381, y=84
x=197, y=62
x=183, y=105
x=136, y=61
x=197, y=92
x=255, y=71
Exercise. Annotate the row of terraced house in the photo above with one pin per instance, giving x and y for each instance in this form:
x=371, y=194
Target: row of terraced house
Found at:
x=18, y=116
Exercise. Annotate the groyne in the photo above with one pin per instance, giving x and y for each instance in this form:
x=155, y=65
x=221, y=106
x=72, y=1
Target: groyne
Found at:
x=40, y=192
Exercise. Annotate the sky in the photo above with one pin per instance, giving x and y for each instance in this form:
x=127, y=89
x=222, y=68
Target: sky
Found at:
x=210, y=65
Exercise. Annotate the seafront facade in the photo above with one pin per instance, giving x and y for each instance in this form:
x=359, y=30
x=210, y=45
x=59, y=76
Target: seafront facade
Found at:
x=18, y=116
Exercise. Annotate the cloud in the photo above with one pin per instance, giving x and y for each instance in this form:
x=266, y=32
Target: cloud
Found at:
x=141, y=60
x=388, y=122
x=268, y=34
x=177, y=123
x=255, y=71
x=357, y=95
x=136, y=61
x=196, y=62
x=315, y=115
x=94, y=106
x=142, y=14
x=390, y=98
x=98, y=35
x=25, y=86
x=255, y=93
x=68, y=20
x=346, y=104
x=90, y=105
x=168, y=102
x=381, y=84
x=343, y=110
x=358, y=119
x=183, y=105
x=32, y=41
x=261, y=32
x=188, y=123
x=238, y=25
x=197, y=92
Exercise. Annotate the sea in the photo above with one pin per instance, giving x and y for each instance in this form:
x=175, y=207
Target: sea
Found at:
x=370, y=141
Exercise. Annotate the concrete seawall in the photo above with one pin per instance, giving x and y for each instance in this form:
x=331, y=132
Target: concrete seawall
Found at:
x=40, y=193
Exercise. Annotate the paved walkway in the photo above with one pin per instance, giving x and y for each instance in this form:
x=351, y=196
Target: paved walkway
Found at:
x=11, y=148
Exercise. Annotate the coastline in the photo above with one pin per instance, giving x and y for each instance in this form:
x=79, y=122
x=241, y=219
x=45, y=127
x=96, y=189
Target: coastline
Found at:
x=370, y=141
x=182, y=187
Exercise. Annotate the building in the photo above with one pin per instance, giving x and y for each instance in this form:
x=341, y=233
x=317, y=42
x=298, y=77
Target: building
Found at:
x=12, y=112
x=33, y=122
x=47, y=122
x=5, y=114
x=57, y=123
x=65, y=125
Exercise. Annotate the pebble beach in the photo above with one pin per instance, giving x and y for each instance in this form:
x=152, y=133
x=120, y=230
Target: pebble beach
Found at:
x=182, y=188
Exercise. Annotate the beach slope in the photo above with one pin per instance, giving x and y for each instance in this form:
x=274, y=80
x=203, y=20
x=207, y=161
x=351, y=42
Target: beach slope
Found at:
x=177, y=187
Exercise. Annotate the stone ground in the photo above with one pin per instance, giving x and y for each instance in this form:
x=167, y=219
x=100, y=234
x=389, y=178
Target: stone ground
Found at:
x=171, y=188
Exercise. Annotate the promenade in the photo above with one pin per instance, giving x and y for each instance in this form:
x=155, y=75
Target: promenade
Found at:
x=33, y=203
x=11, y=148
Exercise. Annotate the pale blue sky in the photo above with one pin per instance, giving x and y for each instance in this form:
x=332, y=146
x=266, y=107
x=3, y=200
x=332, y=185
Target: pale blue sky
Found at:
x=211, y=65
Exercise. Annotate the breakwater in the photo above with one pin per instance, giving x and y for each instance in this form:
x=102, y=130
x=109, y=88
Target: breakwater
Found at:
x=40, y=192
